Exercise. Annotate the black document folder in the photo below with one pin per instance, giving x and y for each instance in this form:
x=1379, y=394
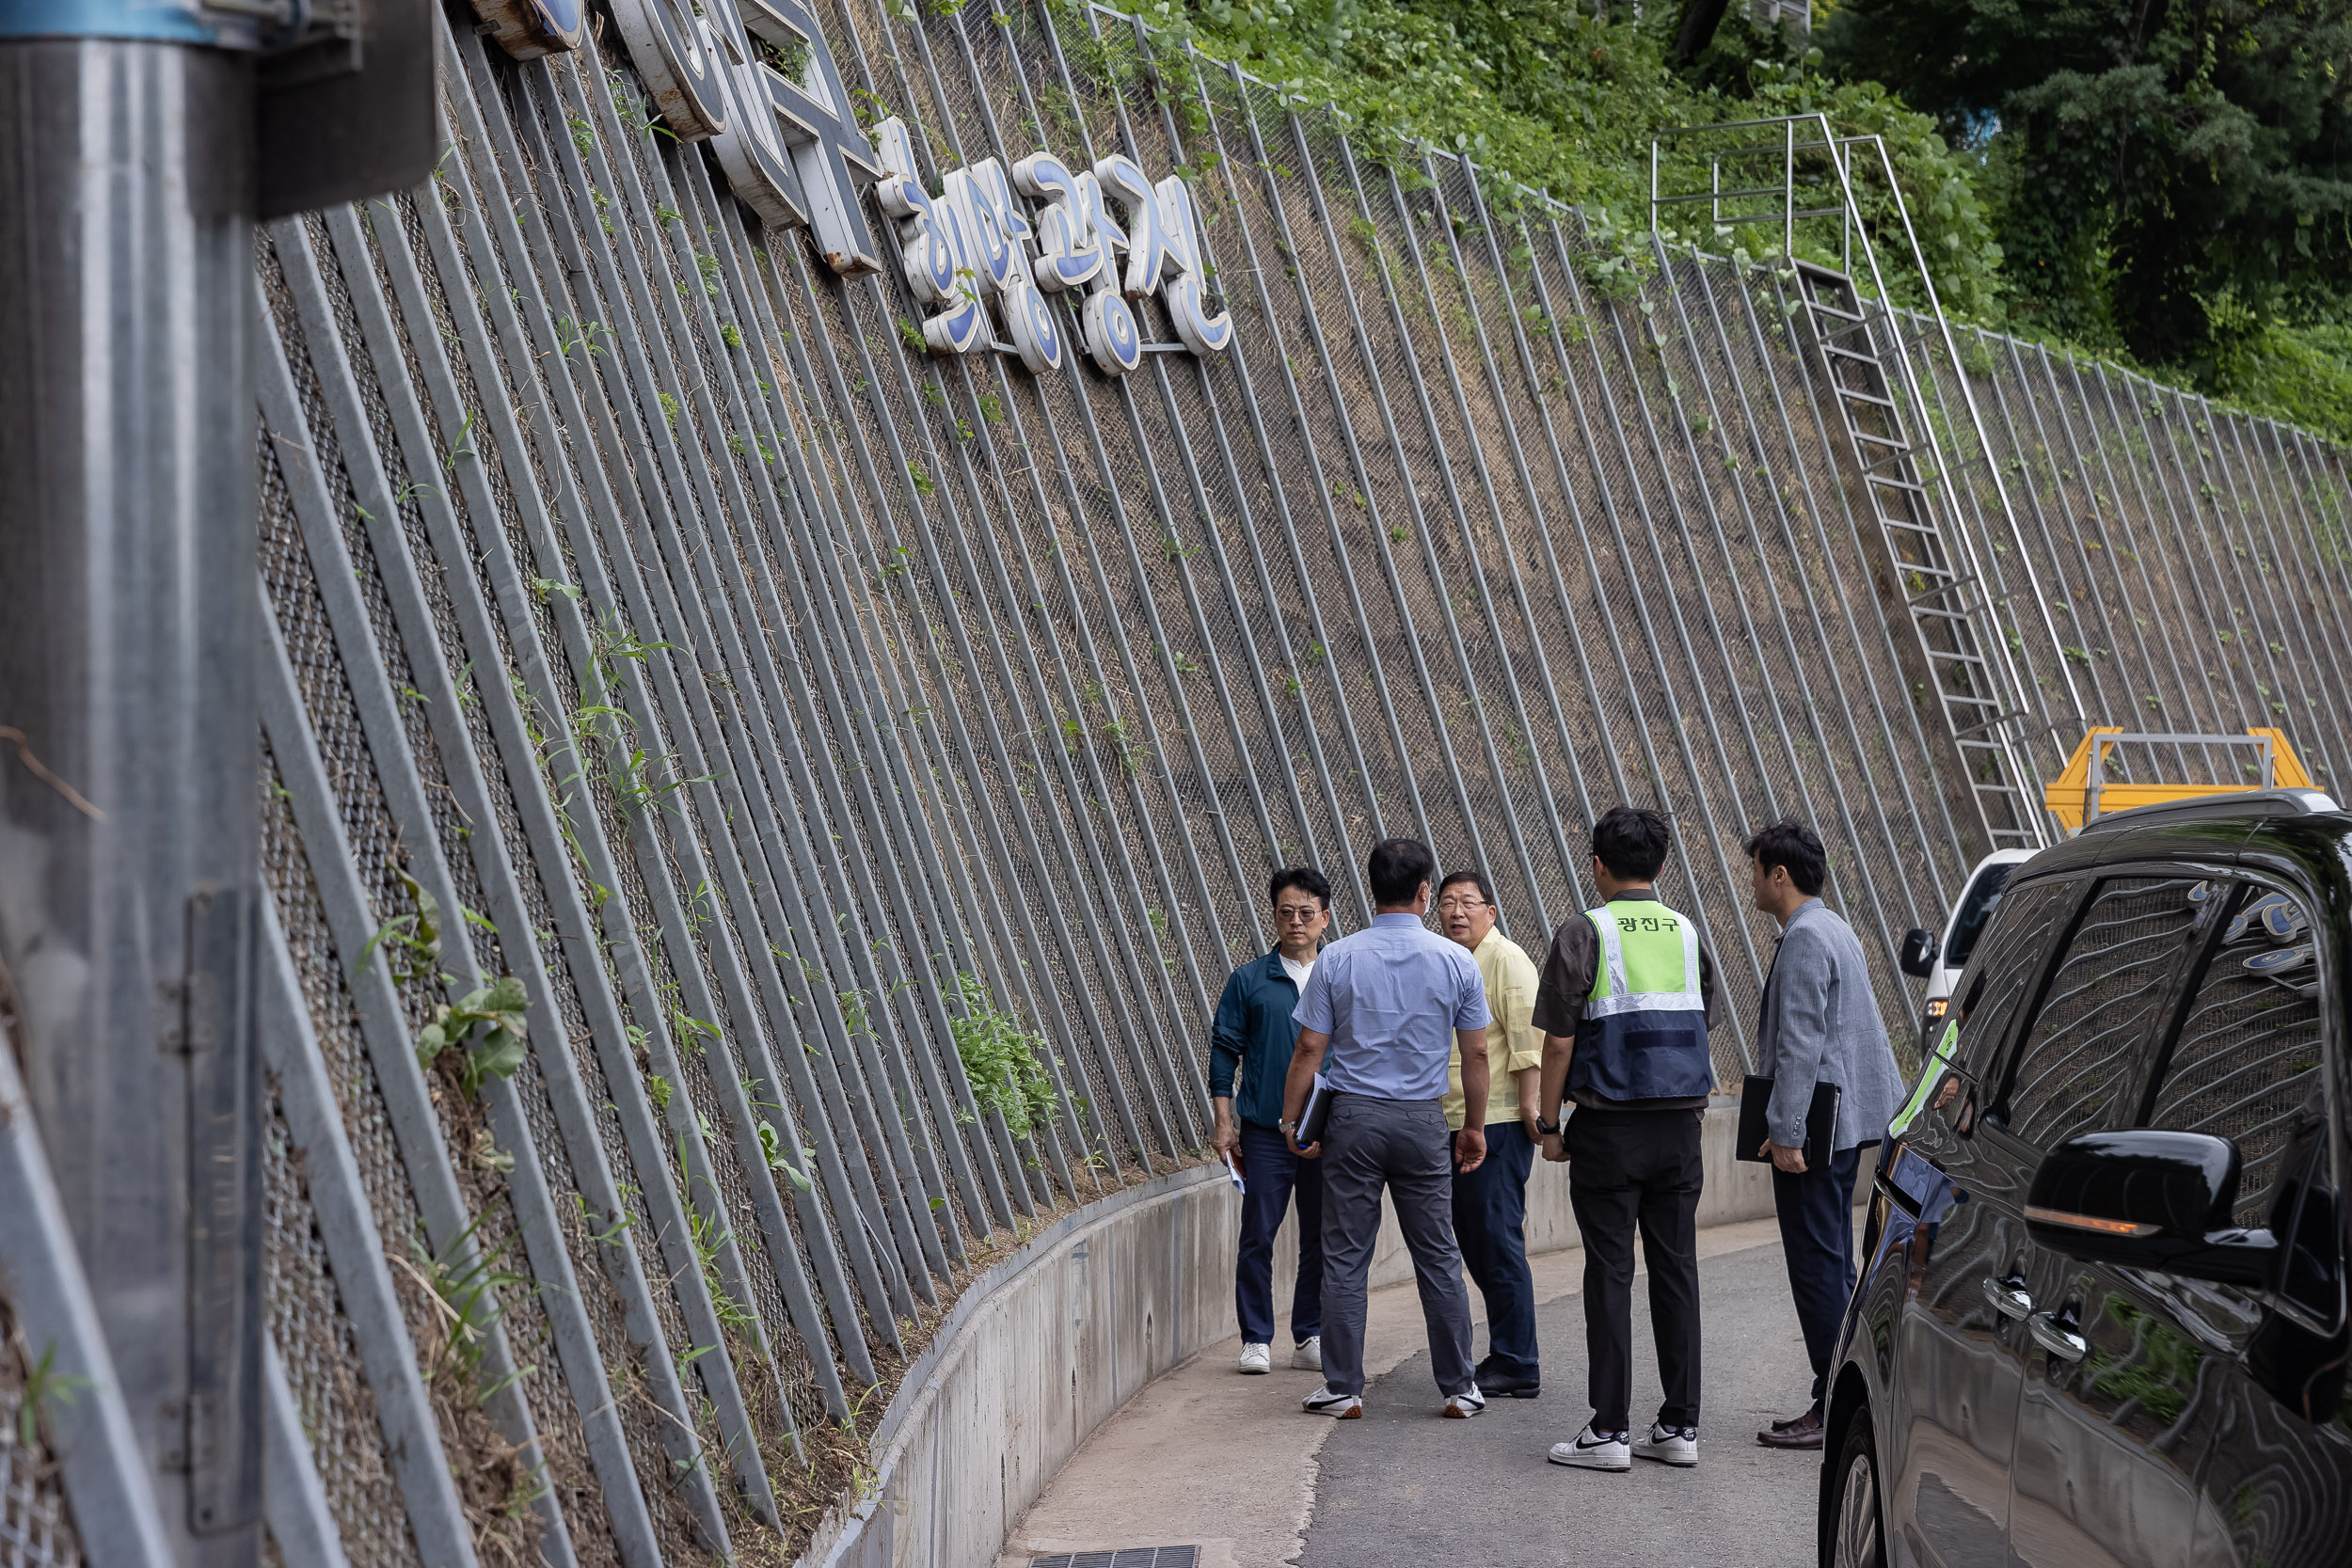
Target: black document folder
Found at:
x=1821, y=1122
x=1318, y=1110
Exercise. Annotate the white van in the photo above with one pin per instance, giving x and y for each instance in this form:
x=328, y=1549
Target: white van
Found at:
x=1938, y=960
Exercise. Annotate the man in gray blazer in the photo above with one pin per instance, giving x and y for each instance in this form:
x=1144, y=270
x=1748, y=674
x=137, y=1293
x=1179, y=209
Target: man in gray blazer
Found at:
x=1820, y=1024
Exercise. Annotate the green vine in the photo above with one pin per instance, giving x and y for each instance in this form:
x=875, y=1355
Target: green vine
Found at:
x=487, y=1025
x=1005, y=1063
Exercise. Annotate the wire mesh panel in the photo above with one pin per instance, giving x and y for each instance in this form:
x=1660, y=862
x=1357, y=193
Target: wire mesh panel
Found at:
x=36, y=1522
x=864, y=763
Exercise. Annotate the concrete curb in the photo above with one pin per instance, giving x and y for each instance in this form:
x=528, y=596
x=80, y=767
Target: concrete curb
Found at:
x=1045, y=1346
x=949, y=1490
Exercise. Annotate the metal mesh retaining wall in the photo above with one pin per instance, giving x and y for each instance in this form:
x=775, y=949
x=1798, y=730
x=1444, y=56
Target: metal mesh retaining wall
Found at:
x=653, y=630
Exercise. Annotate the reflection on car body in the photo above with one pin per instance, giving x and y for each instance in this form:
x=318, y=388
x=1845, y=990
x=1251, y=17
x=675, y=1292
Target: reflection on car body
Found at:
x=2101, y=1320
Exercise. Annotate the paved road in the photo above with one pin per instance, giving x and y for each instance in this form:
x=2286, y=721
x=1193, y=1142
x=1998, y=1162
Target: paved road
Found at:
x=1232, y=1465
x=1403, y=1486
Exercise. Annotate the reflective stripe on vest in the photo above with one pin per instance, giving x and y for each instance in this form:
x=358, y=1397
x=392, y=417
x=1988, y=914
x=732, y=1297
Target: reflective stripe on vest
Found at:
x=1613, y=993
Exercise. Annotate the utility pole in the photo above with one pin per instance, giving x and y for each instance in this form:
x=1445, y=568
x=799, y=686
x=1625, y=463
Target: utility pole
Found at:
x=131, y=175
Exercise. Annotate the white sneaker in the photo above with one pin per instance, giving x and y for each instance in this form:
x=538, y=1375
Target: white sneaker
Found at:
x=1461, y=1407
x=1595, y=1451
x=1327, y=1401
x=1678, y=1446
x=1307, y=1357
x=1257, y=1359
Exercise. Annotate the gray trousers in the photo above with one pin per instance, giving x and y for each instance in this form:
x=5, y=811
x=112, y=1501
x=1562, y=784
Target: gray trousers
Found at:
x=1403, y=1146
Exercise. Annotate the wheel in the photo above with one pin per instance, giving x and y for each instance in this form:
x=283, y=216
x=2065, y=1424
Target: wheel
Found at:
x=1856, y=1538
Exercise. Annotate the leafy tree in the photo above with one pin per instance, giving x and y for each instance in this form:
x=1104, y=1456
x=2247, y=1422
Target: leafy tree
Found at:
x=1563, y=101
x=2167, y=177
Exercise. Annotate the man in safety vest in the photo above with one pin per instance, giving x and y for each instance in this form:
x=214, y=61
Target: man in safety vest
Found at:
x=1625, y=1003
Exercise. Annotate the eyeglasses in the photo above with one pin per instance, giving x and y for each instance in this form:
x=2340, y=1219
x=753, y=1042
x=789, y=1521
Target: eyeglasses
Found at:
x=1296, y=913
x=1462, y=906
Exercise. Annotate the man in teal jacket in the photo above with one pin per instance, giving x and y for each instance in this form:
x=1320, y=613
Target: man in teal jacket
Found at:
x=1254, y=1032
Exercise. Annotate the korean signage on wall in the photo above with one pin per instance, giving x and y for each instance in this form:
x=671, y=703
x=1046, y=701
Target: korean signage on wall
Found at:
x=986, y=255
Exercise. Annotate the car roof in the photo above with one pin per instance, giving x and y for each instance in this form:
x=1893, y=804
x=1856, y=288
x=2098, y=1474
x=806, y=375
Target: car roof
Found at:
x=2233, y=805
x=2301, y=825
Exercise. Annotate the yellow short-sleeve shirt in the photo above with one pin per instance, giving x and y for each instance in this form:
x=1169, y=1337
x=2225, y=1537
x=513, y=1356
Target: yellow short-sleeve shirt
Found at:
x=1514, y=1043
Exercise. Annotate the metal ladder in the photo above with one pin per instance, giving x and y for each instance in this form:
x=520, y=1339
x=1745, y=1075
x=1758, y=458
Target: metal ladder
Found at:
x=1934, y=577
x=1793, y=174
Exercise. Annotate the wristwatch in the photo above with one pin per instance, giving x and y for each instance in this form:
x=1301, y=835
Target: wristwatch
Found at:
x=1549, y=1129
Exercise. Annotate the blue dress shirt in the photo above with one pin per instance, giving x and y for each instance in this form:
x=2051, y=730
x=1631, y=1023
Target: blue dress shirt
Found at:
x=1391, y=997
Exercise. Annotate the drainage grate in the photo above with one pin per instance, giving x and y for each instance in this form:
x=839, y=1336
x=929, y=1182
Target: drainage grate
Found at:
x=1124, y=1557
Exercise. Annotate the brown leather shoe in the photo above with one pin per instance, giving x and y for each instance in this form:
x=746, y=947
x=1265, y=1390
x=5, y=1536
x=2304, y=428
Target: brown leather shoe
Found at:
x=1813, y=1413
x=1802, y=1433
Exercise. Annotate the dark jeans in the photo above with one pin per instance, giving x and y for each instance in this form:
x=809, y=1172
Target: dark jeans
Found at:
x=1402, y=1145
x=1817, y=1236
x=1490, y=1223
x=1271, y=1175
x=1629, y=1168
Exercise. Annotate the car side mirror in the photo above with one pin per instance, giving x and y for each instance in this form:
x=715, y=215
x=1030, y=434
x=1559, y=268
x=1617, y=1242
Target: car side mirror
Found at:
x=1918, y=957
x=2149, y=1200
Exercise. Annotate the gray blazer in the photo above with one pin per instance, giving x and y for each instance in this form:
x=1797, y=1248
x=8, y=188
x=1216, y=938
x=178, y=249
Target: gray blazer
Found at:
x=1822, y=1024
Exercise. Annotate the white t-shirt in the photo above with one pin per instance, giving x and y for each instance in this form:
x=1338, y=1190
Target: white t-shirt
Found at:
x=1297, y=971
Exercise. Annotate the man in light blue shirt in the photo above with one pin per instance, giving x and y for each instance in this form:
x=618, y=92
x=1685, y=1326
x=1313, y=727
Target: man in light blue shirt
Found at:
x=1380, y=1018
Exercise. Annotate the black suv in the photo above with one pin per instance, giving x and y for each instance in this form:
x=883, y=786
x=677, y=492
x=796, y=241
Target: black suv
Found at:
x=2101, y=1320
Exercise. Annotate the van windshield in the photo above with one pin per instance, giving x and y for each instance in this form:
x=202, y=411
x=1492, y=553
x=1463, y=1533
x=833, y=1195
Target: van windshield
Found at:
x=1976, y=907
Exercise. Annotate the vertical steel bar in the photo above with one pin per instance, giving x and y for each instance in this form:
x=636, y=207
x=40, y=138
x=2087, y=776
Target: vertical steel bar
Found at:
x=94, y=1441
x=2084, y=652
x=2111, y=517
x=1760, y=339
x=714, y=574
x=404, y=803
x=1397, y=599
x=1603, y=600
x=2264, y=573
x=1781, y=722
x=1360, y=614
x=126, y=660
x=2165, y=557
x=2215, y=569
x=1048, y=1003
x=634, y=381
x=594, y=413
x=575, y=928
x=1452, y=257
x=1613, y=419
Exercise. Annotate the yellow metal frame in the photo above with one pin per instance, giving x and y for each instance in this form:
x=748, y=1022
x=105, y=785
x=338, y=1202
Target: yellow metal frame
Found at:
x=2082, y=793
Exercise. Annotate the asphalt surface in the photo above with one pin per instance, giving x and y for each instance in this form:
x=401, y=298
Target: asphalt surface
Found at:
x=1404, y=1486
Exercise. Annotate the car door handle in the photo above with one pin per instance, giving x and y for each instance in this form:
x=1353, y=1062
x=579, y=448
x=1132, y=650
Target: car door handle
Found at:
x=2009, y=1297
x=2057, y=1337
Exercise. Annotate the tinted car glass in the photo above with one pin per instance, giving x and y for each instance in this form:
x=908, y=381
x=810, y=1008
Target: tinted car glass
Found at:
x=2248, y=1053
x=2086, y=1056
x=2003, y=969
x=1976, y=909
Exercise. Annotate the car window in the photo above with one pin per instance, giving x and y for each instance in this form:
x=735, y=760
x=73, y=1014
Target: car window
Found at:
x=2086, y=1056
x=2247, y=1057
x=2004, y=965
x=1976, y=911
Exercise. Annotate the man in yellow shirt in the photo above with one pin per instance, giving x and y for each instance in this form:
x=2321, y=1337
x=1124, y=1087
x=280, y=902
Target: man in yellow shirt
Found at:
x=1490, y=1201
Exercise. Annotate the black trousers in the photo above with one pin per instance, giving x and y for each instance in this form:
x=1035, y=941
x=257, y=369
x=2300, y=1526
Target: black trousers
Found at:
x=1817, y=1237
x=1629, y=1169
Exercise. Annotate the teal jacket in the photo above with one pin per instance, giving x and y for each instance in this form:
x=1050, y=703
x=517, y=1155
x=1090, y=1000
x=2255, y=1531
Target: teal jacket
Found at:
x=1254, y=1031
